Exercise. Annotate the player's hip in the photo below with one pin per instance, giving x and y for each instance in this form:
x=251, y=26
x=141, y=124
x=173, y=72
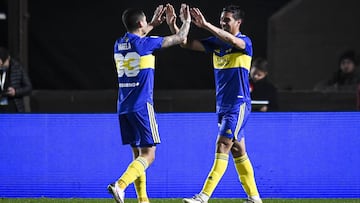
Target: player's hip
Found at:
x=139, y=128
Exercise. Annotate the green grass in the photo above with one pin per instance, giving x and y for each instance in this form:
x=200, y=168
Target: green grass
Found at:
x=48, y=200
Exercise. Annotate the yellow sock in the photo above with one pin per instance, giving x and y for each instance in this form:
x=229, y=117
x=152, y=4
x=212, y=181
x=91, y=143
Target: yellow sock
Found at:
x=134, y=170
x=217, y=171
x=246, y=174
x=140, y=187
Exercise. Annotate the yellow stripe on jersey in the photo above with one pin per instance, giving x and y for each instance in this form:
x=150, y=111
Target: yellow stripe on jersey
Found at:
x=232, y=60
x=153, y=124
x=147, y=61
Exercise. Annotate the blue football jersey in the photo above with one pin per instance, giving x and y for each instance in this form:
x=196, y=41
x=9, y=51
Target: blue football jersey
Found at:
x=231, y=70
x=135, y=64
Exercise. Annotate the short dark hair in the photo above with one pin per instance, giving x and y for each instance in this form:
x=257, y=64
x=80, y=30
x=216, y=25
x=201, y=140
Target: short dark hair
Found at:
x=350, y=54
x=131, y=17
x=4, y=54
x=236, y=11
x=260, y=64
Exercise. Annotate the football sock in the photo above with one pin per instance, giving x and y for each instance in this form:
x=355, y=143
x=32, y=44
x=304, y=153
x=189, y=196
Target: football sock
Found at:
x=246, y=175
x=134, y=170
x=140, y=187
x=217, y=171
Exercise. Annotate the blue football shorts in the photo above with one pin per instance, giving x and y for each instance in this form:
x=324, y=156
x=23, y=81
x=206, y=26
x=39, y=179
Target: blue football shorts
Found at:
x=139, y=129
x=232, y=123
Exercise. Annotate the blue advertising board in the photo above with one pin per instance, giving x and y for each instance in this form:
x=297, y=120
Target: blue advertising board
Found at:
x=294, y=155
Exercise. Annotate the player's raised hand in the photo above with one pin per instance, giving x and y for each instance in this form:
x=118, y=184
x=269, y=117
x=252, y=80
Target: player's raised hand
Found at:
x=158, y=17
x=197, y=17
x=170, y=14
x=185, y=13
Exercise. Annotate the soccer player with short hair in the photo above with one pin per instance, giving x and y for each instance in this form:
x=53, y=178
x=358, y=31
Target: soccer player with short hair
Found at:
x=135, y=63
x=232, y=54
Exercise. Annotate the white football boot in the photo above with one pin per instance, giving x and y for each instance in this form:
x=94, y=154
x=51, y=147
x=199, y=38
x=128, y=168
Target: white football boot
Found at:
x=253, y=200
x=116, y=192
x=195, y=199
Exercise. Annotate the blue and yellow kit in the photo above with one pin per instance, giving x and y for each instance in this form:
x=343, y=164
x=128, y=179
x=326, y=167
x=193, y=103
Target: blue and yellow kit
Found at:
x=135, y=66
x=231, y=69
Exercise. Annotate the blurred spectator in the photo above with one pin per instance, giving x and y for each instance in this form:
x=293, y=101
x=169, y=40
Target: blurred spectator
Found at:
x=358, y=98
x=345, y=78
x=15, y=84
x=263, y=92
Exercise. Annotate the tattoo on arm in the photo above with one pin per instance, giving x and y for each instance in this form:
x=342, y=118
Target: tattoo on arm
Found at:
x=178, y=37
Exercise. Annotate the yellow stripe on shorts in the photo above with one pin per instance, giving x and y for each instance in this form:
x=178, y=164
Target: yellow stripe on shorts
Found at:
x=240, y=120
x=153, y=124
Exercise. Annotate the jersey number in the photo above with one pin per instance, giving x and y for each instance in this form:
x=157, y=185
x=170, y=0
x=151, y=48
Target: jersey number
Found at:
x=128, y=64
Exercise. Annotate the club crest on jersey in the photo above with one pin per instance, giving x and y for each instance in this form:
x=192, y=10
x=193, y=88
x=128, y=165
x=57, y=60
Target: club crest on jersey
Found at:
x=228, y=50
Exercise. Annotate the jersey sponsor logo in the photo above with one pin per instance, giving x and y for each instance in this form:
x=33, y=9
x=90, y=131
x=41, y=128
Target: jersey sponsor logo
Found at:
x=232, y=60
x=222, y=62
x=129, y=84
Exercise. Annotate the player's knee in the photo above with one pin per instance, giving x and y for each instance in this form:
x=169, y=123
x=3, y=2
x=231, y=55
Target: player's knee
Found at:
x=151, y=158
x=237, y=152
x=223, y=145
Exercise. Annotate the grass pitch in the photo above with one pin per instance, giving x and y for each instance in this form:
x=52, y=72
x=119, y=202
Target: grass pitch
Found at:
x=49, y=200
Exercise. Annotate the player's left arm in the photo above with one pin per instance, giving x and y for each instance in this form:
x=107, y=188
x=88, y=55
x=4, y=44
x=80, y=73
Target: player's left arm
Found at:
x=157, y=18
x=226, y=36
x=200, y=21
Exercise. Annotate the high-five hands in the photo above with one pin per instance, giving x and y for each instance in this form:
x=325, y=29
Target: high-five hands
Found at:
x=185, y=13
x=197, y=17
x=158, y=16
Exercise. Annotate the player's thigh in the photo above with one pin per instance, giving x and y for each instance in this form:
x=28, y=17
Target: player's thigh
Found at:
x=231, y=124
x=147, y=127
x=127, y=130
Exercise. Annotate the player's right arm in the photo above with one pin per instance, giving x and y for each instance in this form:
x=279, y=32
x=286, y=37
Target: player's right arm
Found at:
x=181, y=35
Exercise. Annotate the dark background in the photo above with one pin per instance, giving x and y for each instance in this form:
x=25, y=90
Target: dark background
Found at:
x=71, y=42
x=3, y=24
x=67, y=48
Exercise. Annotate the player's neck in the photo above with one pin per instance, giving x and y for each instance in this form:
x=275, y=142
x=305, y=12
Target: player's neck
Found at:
x=235, y=33
x=139, y=32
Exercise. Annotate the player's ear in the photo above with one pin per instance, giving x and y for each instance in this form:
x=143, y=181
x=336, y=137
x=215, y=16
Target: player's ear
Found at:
x=239, y=21
x=139, y=24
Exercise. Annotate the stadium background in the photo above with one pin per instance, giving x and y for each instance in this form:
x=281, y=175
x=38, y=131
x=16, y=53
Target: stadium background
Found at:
x=67, y=48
